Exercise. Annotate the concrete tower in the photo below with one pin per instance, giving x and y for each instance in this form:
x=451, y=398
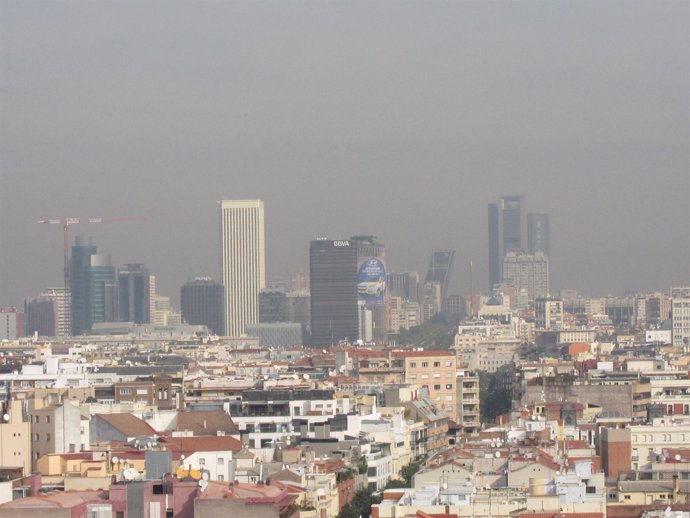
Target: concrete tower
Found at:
x=242, y=260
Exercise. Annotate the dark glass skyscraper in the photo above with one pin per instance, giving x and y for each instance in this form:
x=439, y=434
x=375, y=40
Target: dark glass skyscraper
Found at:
x=202, y=304
x=440, y=270
x=134, y=295
x=511, y=219
x=39, y=315
x=271, y=305
x=494, y=246
x=333, y=275
x=538, y=233
x=92, y=279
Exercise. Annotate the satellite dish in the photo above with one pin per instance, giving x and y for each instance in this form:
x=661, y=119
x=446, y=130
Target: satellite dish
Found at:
x=182, y=457
x=203, y=484
x=204, y=475
x=114, y=460
x=306, y=376
x=130, y=474
x=6, y=418
x=497, y=454
x=677, y=457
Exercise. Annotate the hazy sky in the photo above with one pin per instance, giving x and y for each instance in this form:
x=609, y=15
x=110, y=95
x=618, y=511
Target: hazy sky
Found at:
x=400, y=119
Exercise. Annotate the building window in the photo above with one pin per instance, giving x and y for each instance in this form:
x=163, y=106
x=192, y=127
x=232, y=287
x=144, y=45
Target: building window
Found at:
x=202, y=461
x=125, y=391
x=437, y=364
x=221, y=461
x=221, y=478
x=437, y=387
x=48, y=419
x=413, y=365
x=425, y=364
x=47, y=437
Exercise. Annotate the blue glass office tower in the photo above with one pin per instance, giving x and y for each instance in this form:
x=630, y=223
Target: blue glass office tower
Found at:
x=93, y=287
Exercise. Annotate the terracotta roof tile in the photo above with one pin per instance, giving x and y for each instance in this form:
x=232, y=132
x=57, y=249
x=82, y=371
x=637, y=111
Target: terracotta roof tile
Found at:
x=127, y=424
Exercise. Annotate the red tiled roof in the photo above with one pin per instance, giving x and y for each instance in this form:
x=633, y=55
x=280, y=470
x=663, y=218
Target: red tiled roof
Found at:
x=201, y=443
x=127, y=424
x=57, y=499
x=206, y=422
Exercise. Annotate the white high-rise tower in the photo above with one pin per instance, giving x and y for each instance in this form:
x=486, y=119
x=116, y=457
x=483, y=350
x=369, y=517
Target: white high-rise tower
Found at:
x=242, y=261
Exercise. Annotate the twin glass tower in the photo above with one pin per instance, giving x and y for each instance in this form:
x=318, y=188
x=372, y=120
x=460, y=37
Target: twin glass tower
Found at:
x=242, y=261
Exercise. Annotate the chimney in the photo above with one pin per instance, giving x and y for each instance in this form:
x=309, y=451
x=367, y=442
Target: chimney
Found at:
x=36, y=483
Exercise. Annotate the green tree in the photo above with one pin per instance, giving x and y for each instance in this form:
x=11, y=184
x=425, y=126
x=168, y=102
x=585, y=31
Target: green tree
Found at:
x=494, y=397
x=360, y=505
x=408, y=471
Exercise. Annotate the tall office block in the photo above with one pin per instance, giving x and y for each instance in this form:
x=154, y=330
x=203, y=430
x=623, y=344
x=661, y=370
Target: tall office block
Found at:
x=511, y=223
x=10, y=323
x=333, y=284
x=440, y=270
x=153, y=293
x=79, y=285
x=134, y=294
x=202, y=304
x=680, y=316
x=272, y=305
x=93, y=288
x=371, y=287
x=243, y=261
x=405, y=285
x=528, y=273
x=298, y=308
x=538, y=233
x=494, y=246
x=62, y=309
x=39, y=316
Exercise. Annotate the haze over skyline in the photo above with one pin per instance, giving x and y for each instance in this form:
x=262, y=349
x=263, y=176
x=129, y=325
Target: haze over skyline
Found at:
x=402, y=120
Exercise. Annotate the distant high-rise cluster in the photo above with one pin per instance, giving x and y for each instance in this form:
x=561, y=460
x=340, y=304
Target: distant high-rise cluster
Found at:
x=517, y=263
x=436, y=282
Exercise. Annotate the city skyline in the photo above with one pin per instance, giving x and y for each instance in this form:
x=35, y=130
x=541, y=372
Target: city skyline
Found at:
x=579, y=107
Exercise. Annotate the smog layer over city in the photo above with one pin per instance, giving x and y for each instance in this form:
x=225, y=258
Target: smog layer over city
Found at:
x=314, y=259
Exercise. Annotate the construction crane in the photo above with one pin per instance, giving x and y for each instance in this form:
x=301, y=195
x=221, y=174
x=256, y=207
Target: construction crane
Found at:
x=66, y=223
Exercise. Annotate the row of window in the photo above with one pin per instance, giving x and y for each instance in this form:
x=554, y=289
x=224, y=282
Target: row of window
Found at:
x=413, y=365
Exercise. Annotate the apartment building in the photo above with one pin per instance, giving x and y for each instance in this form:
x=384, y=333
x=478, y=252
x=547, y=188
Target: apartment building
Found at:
x=485, y=347
x=435, y=371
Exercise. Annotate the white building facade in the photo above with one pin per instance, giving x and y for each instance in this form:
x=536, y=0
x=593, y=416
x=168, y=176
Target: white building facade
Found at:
x=243, y=261
x=680, y=316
